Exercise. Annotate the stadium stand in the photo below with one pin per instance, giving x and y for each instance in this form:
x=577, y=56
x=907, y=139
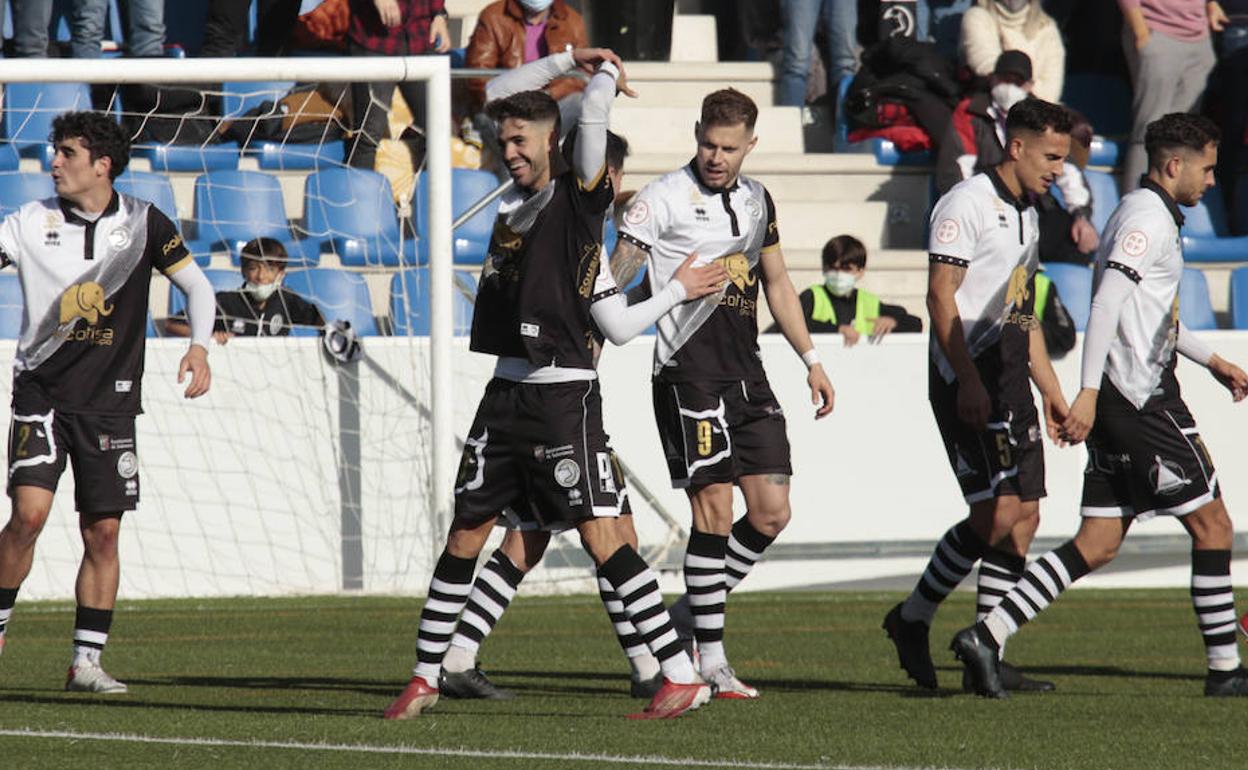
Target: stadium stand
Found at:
x=338, y=294
x=20, y=188
x=232, y=207
x=1206, y=237
x=409, y=302
x=1074, y=286
x=471, y=239
x=354, y=209
x=1195, y=309
x=10, y=306
x=29, y=109
x=1238, y=300
x=149, y=187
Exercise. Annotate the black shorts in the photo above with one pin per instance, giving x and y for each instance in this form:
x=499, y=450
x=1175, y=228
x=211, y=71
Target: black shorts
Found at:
x=1005, y=459
x=1145, y=463
x=102, y=448
x=717, y=432
x=540, y=451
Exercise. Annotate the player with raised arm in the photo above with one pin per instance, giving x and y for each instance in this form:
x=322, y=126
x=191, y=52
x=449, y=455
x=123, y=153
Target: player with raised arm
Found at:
x=537, y=445
x=85, y=259
x=1145, y=455
x=986, y=344
x=718, y=420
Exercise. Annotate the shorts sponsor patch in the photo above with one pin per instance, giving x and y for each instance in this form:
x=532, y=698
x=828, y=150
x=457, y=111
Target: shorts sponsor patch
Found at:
x=127, y=465
x=542, y=453
x=109, y=443
x=123, y=386
x=567, y=473
x=1134, y=244
x=529, y=330
x=947, y=231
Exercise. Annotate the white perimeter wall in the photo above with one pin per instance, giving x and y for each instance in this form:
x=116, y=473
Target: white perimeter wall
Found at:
x=242, y=489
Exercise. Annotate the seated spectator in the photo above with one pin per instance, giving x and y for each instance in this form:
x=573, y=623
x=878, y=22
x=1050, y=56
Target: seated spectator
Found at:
x=514, y=32
x=1055, y=321
x=836, y=306
x=975, y=142
x=994, y=26
x=261, y=307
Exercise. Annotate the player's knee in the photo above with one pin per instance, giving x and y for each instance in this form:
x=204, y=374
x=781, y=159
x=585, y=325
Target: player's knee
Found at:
x=27, y=520
x=1211, y=527
x=100, y=541
x=771, y=520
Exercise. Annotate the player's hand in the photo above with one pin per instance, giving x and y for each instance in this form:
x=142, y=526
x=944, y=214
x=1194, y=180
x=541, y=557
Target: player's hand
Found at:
x=196, y=362
x=850, y=334
x=589, y=58
x=221, y=337
x=1217, y=17
x=389, y=12
x=440, y=34
x=700, y=281
x=973, y=404
x=1231, y=376
x=821, y=393
x=883, y=325
x=1055, y=413
x=1083, y=233
x=1081, y=417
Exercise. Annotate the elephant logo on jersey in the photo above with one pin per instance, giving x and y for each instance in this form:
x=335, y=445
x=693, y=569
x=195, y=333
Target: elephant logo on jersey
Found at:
x=84, y=300
x=738, y=267
x=505, y=245
x=1016, y=292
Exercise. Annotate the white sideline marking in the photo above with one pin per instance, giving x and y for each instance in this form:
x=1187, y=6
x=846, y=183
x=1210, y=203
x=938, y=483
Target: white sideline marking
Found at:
x=401, y=749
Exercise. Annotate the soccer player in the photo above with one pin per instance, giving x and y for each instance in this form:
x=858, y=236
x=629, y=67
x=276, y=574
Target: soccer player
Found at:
x=986, y=342
x=1145, y=455
x=85, y=259
x=718, y=421
x=537, y=445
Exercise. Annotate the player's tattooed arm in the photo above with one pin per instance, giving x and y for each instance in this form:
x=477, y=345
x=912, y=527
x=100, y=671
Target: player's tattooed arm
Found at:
x=943, y=280
x=626, y=261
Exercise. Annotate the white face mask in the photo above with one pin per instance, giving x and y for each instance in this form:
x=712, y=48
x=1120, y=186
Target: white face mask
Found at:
x=839, y=282
x=261, y=291
x=536, y=6
x=1006, y=95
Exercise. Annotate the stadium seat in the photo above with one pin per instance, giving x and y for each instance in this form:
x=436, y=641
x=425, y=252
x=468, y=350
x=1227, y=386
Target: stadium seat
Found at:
x=1105, y=100
x=609, y=235
x=221, y=280
x=18, y=189
x=233, y=207
x=1195, y=309
x=471, y=240
x=29, y=109
x=1239, y=298
x=353, y=211
x=9, y=159
x=1205, y=234
x=296, y=156
x=190, y=157
x=886, y=153
x=239, y=97
x=1074, y=286
x=11, y=306
x=1104, y=197
x=409, y=302
x=155, y=188
x=338, y=294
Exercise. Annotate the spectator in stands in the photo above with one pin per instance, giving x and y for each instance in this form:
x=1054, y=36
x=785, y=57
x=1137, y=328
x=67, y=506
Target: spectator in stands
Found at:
x=514, y=32
x=837, y=306
x=261, y=307
x=145, y=27
x=1234, y=35
x=225, y=29
x=994, y=26
x=975, y=142
x=1170, y=55
x=801, y=19
x=390, y=28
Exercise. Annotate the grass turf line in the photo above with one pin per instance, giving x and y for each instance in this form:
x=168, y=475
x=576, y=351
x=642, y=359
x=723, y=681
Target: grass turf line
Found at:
x=1129, y=666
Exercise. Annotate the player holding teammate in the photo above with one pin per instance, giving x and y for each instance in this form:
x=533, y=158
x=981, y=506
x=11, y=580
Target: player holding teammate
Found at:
x=718, y=421
x=1145, y=456
x=85, y=259
x=986, y=342
x=537, y=445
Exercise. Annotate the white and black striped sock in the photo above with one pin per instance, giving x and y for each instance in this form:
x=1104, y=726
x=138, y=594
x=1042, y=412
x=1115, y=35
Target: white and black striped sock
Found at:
x=8, y=598
x=745, y=547
x=1042, y=582
x=638, y=588
x=492, y=592
x=952, y=560
x=1214, y=602
x=998, y=572
x=708, y=595
x=448, y=593
x=91, y=628
x=640, y=659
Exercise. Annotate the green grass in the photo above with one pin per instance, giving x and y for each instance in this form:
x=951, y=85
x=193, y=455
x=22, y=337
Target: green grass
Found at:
x=1128, y=665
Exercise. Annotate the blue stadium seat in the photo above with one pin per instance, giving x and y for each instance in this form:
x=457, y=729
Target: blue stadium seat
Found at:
x=609, y=236
x=471, y=240
x=353, y=210
x=239, y=97
x=9, y=159
x=155, y=188
x=886, y=153
x=338, y=294
x=190, y=157
x=409, y=302
x=295, y=156
x=11, y=306
x=233, y=207
x=1239, y=298
x=1074, y=286
x=1206, y=237
x=29, y=109
x=221, y=280
x=1105, y=100
x=1104, y=197
x=17, y=189
x=1195, y=309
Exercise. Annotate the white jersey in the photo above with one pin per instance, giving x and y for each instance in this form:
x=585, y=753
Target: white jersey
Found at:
x=1142, y=241
x=981, y=226
x=715, y=338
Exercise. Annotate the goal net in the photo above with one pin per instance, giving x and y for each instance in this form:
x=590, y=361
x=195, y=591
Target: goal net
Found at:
x=297, y=473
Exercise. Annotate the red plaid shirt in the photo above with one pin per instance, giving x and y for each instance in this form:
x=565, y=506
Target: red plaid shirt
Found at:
x=410, y=37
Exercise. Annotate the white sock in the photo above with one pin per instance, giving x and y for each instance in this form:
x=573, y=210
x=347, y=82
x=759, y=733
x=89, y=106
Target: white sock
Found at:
x=645, y=667
x=458, y=659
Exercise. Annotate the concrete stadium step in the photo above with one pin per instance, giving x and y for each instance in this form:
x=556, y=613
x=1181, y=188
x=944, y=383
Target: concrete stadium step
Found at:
x=657, y=130
x=685, y=84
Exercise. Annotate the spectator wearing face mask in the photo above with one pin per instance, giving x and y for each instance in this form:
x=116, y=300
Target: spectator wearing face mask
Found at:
x=261, y=307
x=510, y=33
x=838, y=306
x=994, y=26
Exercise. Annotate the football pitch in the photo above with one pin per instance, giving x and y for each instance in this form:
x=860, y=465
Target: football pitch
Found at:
x=301, y=682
